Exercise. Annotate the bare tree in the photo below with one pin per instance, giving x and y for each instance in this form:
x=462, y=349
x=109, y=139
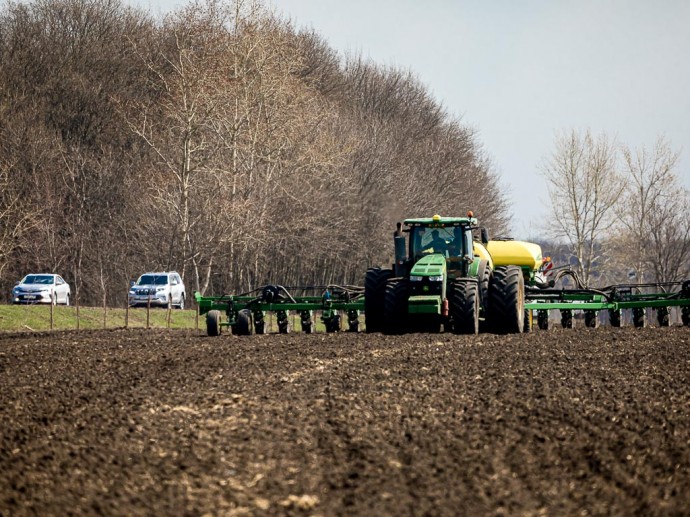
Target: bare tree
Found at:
x=584, y=186
x=653, y=212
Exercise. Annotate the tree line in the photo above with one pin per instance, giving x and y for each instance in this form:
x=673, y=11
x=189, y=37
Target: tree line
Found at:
x=218, y=141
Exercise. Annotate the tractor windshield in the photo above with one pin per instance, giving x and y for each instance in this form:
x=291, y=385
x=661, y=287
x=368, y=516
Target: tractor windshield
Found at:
x=444, y=240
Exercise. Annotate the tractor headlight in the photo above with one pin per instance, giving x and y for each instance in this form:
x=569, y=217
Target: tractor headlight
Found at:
x=416, y=278
x=436, y=278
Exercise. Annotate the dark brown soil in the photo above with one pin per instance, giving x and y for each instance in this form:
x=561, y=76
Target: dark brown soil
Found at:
x=564, y=422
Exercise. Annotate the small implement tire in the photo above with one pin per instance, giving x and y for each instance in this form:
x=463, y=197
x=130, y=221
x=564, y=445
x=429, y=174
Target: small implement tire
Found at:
x=374, y=296
x=663, y=316
x=566, y=318
x=395, y=307
x=464, y=306
x=333, y=324
x=638, y=318
x=507, y=300
x=685, y=316
x=243, y=327
x=615, y=318
x=213, y=327
x=591, y=320
x=543, y=319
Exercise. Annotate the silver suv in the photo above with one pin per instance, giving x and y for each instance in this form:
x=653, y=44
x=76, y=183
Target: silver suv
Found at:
x=160, y=289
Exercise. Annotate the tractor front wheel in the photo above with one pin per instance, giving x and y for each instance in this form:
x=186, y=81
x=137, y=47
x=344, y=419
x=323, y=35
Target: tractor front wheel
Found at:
x=395, y=307
x=464, y=306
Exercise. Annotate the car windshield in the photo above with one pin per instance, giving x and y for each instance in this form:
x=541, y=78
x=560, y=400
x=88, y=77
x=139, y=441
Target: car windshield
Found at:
x=37, y=279
x=153, y=280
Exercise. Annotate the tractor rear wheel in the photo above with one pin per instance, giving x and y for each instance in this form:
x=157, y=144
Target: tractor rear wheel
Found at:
x=395, y=307
x=507, y=300
x=464, y=306
x=374, y=296
x=213, y=323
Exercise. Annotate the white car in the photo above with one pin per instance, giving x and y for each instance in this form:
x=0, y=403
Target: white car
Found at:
x=42, y=288
x=158, y=289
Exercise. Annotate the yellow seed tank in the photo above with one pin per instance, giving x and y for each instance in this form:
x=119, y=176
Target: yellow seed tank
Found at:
x=515, y=253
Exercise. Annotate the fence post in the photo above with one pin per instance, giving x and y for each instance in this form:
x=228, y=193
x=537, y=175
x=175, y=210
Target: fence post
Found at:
x=127, y=312
x=52, y=299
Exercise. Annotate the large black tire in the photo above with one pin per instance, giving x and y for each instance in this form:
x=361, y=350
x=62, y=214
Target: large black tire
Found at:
x=543, y=319
x=395, y=317
x=527, y=324
x=374, y=296
x=243, y=326
x=464, y=306
x=566, y=318
x=213, y=327
x=484, y=275
x=507, y=300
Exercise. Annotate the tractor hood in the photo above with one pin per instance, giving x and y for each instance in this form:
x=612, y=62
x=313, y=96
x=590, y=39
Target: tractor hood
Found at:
x=430, y=265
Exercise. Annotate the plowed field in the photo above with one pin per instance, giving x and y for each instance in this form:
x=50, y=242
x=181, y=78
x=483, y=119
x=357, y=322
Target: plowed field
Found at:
x=560, y=422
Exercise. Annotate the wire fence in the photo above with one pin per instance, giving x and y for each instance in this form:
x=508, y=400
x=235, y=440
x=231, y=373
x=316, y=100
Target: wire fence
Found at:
x=39, y=317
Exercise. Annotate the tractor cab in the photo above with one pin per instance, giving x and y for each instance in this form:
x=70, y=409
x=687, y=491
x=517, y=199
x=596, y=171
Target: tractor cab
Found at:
x=449, y=237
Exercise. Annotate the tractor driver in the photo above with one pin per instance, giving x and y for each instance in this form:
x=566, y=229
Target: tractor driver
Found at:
x=439, y=244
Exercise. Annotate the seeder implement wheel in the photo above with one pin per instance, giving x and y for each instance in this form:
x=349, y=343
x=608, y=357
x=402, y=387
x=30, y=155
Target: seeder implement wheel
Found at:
x=591, y=320
x=685, y=316
x=663, y=316
x=213, y=327
x=638, y=318
x=566, y=318
x=283, y=322
x=615, y=317
x=543, y=319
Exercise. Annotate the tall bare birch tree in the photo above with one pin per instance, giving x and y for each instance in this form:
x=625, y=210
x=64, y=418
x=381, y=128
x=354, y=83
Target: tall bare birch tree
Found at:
x=583, y=185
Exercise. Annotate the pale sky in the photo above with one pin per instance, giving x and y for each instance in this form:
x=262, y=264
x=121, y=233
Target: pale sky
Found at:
x=519, y=72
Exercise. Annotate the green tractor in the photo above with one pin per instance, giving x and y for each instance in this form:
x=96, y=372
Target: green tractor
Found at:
x=443, y=278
